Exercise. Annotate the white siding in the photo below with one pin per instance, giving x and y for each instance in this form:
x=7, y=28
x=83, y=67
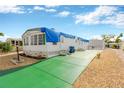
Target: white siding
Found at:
x=96, y=44
x=53, y=50
x=66, y=42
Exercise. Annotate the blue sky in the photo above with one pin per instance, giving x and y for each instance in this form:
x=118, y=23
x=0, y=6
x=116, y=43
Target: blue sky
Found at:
x=84, y=21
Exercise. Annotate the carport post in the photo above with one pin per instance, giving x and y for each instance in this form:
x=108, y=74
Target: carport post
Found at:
x=17, y=49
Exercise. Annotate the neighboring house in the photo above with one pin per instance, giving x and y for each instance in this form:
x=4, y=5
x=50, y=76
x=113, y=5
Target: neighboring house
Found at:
x=14, y=41
x=44, y=42
x=96, y=44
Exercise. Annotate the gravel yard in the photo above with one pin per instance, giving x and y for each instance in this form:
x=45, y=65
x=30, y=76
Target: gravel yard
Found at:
x=106, y=72
x=5, y=62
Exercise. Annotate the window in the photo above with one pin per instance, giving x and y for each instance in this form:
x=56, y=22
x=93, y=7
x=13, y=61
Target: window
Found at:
x=13, y=42
x=44, y=39
x=54, y=43
x=40, y=39
x=35, y=39
x=32, y=40
x=27, y=41
x=17, y=43
x=24, y=41
x=20, y=42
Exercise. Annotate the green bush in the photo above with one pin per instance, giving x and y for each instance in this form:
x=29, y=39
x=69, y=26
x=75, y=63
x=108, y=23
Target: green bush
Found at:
x=1, y=43
x=5, y=47
x=114, y=46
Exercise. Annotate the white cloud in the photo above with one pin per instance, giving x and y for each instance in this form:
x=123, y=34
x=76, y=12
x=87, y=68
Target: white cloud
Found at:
x=29, y=10
x=50, y=10
x=102, y=15
x=51, y=6
x=64, y=13
x=95, y=16
x=117, y=20
x=120, y=19
x=12, y=9
x=39, y=8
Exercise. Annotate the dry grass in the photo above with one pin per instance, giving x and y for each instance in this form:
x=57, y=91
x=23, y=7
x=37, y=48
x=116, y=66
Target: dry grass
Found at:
x=106, y=72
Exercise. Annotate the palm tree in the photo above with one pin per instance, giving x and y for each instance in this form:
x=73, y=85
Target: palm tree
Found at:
x=118, y=40
x=107, y=39
x=1, y=34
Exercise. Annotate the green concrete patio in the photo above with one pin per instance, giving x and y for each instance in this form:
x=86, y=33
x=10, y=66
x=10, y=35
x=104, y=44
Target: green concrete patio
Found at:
x=60, y=71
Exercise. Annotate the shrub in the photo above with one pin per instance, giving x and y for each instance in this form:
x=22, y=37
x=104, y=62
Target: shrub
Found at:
x=5, y=47
x=1, y=43
x=114, y=46
x=98, y=55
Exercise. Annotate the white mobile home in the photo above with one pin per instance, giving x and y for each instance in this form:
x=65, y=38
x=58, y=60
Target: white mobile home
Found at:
x=44, y=42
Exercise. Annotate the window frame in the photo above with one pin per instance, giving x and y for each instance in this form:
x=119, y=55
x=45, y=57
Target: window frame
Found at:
x=38, y=39
x=35, y=40
x=32, y=40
